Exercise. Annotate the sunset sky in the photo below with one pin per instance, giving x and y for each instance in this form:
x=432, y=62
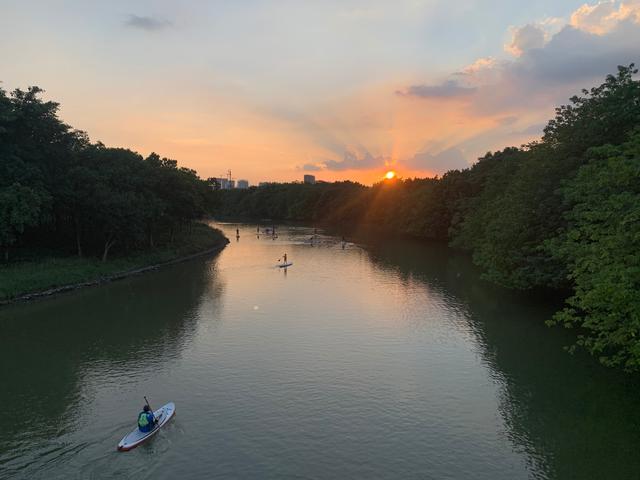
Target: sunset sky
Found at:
x=341, y=89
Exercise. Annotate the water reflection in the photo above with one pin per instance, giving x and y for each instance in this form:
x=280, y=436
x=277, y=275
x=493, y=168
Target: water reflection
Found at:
x=392, y=361
x=572, y=417
x=51, y=350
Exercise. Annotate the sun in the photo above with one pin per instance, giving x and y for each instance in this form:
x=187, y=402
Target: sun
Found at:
x=390, y=175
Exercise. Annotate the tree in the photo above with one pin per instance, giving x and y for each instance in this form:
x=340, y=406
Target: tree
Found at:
x=511, y=226
x=19, y=208
x=601, y=246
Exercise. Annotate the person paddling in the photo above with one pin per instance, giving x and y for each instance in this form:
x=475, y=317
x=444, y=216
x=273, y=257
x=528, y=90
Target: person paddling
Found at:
x=285, y=258
x=146, y=419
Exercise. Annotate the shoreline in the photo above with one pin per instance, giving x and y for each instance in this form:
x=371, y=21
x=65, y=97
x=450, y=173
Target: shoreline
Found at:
x=49, y=292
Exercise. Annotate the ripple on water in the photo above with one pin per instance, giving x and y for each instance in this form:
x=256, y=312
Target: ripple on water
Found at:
x=353, y=365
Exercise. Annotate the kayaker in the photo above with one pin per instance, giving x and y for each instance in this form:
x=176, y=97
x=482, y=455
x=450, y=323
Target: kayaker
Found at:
x=146, y=419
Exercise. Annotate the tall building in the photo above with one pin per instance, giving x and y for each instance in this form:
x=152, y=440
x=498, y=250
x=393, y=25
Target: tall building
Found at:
x=222, y=183
x=309, y=179
x=243, y=184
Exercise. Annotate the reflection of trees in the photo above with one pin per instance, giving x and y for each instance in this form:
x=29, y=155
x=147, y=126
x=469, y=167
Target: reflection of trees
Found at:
x=47, y=346
x=572, y=417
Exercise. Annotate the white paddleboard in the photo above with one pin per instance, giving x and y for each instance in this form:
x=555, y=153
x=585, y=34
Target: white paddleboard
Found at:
x=284, y=265
x=135, y=438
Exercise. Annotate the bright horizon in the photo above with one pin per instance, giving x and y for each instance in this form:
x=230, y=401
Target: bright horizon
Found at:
x=340, y=90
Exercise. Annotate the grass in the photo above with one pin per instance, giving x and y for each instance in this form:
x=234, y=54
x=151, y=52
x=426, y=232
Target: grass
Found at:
x=51, y=272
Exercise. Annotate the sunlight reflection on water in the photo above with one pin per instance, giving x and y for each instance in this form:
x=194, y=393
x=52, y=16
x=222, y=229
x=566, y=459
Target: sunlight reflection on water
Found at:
x=390, y=360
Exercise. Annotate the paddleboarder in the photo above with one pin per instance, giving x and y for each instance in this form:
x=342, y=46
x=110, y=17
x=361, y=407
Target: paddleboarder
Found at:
x=146, y=419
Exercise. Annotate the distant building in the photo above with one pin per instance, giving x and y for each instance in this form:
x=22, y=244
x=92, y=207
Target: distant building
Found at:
x=243, y=184
x=309, y=179
x=214, y=183
x=222, y=183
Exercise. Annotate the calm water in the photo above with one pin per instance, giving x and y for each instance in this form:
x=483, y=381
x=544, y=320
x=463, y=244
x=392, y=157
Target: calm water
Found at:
x=389, y=361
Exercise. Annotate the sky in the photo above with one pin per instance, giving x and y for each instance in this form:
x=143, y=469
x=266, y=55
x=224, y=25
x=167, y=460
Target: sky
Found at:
x=341, y=89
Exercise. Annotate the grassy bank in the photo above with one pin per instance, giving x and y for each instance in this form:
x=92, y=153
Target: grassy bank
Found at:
x=49, y=273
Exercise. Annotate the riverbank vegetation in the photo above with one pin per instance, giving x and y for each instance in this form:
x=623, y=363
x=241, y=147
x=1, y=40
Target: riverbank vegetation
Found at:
x=562, y=212
x=62, y=196
x=47, y=273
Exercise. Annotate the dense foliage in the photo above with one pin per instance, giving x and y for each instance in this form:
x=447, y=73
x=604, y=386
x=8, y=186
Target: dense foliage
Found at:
x=601, y=246
x=562, y=212
x=59, y=192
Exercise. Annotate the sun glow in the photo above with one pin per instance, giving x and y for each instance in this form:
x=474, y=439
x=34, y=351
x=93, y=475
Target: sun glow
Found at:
x=390, y=175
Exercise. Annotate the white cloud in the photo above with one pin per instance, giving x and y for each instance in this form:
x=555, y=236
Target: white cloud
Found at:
x=483, y=71
x=480, y=65
x=549, y=67
x=553, y=60
x=603, y=17
x=525, y=38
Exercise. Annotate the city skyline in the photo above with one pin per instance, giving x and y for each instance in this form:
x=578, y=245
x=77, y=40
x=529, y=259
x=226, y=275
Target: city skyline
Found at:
x=340, y=90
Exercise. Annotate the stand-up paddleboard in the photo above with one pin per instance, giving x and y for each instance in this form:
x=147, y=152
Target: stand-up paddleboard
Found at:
x=285, y=265
x=135, y=438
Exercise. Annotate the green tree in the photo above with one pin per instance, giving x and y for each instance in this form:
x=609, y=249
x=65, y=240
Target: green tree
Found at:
x=510, y=228
x=19, y=208
x=602, y=249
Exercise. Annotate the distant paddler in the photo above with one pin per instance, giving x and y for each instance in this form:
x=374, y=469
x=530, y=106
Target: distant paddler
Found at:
x=284, y=261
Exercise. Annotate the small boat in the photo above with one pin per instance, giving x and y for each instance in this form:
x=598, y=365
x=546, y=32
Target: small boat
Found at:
x=135, y=438
x=285, y=265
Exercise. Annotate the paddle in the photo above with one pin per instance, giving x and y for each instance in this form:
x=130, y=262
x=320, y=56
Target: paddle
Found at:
x=154, y=416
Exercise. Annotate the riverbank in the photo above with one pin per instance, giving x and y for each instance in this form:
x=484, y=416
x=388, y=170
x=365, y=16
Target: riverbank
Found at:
x=29, y=280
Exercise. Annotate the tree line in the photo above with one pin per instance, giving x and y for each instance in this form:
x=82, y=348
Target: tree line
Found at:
x=562, y=212
x=61, y=193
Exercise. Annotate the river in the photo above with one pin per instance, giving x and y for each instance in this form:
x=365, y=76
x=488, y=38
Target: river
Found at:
x=388, y=360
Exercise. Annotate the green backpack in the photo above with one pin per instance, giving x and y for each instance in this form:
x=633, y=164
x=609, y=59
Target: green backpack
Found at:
x=143, y=421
